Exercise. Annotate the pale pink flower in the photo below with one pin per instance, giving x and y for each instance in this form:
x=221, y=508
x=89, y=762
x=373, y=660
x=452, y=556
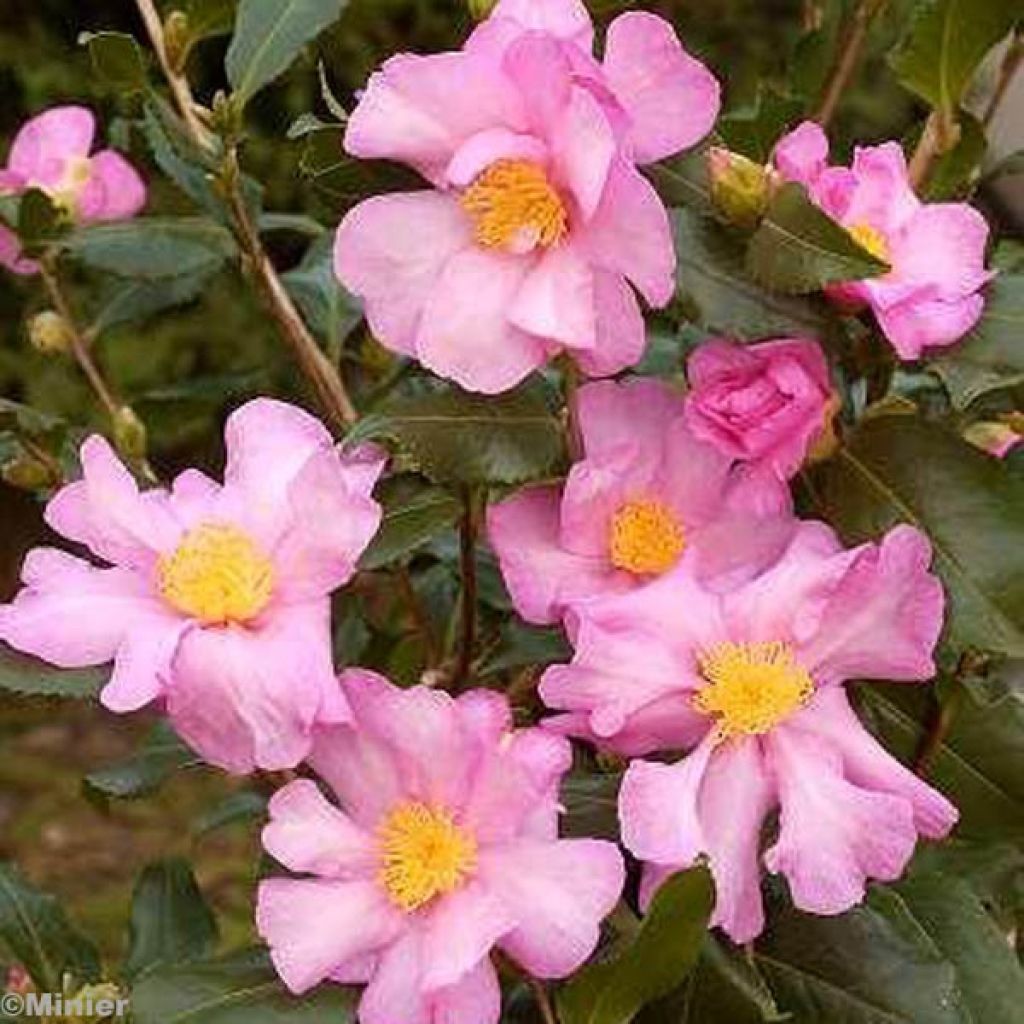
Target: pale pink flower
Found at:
x=646, y=496
x=930, y=297
x=51, y=152
x=214, y=599
x=11, y=255
x=750, y=681
x=443, y=844
x=764, y=404
x=538, y=220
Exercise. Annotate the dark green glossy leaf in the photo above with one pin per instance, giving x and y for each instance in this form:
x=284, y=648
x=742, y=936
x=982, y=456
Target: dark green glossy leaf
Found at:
x=117, y=60
x=244, y=806
x=591, y=804
x=238, y=989
x=269, y=35
x=754, y=130
x=409, y=522
x=798, y=249
x=38, y=935
x=328, y=308
x=161, y=755
x=171, y=922
x=137, y=301
x=661, y=955
x=684, y=181
x=460, y=438
x=521, y=646
x=23, y=674
x=902, y=469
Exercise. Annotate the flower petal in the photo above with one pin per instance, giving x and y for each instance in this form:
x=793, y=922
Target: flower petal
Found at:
x=566, y=19
x=556, y=299
x=802, y=154
x=43, y=146
x=11, y=254
x=883, y=198
x=115, y=191
x=919, y=324
x=620, y=334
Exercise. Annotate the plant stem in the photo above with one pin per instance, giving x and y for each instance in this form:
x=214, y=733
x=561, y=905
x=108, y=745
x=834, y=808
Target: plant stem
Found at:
x=540, y=993
x=467, y=569
x=855, y=34
x=571, y=386
x=317, y=368
x=938, y=729
x=941, y=133
x=419, y=615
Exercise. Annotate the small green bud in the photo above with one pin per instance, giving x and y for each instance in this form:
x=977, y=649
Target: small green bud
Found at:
x=28, y=473
x=130, y=433
x=740, y=188
x=481, y=9
x=50, y=333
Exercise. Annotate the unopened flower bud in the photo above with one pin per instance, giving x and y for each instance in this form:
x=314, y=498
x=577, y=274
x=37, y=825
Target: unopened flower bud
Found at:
x=176, y=38
x=49, y=332
x=28, y=473
x=130, y=433
x=19, y=981
x=740, y=188
x=481, y=9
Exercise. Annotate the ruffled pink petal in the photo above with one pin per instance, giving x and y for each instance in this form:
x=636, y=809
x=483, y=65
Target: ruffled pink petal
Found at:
x=833, y=836
x=105, y=511
x=884, y=614
x=919, y=324
x=560, y=892
x=583, y=148
x=556, y=299
x=193, y=497
x=539, y=68
x=143, y=661
x=72, y=614
x=868, y=765
x=476, y=996
x=308, y=835
x=313, y=926
x=630, y=235
x=620, y=338
x=672, y=99
x=43, y=146
x=883, y=198
x=248, y=698
x=477, y=153
x=10, y=254
x=420, y=110
x=658, y=808
x=465, y=334
x=391, y=250
x=638, y=408
x=542, y=576
x=115, y=190
x=566, y=19
x=331, y=525
x=802, y=154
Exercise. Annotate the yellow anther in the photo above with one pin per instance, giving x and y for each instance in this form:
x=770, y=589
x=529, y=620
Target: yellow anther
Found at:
x=871, y=239
x=646, y=538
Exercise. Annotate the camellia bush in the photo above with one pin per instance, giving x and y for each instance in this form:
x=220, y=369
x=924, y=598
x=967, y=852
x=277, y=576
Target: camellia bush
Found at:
x=619, y=615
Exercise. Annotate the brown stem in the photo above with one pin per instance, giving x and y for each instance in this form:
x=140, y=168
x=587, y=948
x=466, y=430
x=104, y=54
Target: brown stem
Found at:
x=940, y=135
x=176, y=79
x=540, y=994
x=419, y=616
x=467, y=567
x=1011, y=63
x=941, y=722
x=847, y=60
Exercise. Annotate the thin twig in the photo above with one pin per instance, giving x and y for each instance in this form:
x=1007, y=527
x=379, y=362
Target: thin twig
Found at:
x=467, y=569
x=847, y=60
x=540, y=993
x=939, y=136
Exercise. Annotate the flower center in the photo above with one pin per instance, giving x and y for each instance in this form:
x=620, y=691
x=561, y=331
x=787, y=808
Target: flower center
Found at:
x=871, y=239
x=66, y=193
x=515, y=207
x=424, y=854
x=646, y=538
x=216, y=575
x=752, y=687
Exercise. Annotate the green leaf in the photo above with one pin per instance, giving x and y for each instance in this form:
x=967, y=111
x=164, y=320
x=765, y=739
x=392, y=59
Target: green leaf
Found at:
x=328, y=308
x=901, y=469
x=462, y=438
x=245, y=805
x=171, y=922
x=23, y=674
x=662, y=954
x=117, y=60
x=269, y=35
x=241, y=988
x=523, y=646
x=152, y=248
x=988, y=974
x=37, y=934
x=798, y=249
x=209, y=18
x=945, y=43
x=991, y=357
x=136, y=301
x=684, y=180
x=591, y=804
x=718, y=294
x=39, y=219
x=161, y=755
x=754, y=130
x=408, y=523
x=871, y=965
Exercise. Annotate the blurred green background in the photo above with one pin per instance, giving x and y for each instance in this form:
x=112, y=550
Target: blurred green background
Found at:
x=182, y=371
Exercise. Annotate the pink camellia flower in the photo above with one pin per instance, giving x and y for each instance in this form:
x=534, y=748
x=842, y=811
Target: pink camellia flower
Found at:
x=936, y=250
x=11, y=254
x=647, y=495
x=217, y=602
x=750, y=681
x=766, y=404
x=538, y=216
x=444, y=843
x=51, y=153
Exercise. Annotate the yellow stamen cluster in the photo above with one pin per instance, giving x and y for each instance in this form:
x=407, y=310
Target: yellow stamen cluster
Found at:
x=646, y=538
x=424, y=854
x=66, y=193
x=216, y=575
x=871, y=239
x=752, y=687
x=514, y=206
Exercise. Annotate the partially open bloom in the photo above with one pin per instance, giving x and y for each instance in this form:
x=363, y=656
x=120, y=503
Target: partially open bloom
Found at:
x=52, y=153
x=750, y=682
x=443, y=844
x=936, y=251
x=647, y=496
x=214, y=599
x=765, y=404
x=538, y=217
